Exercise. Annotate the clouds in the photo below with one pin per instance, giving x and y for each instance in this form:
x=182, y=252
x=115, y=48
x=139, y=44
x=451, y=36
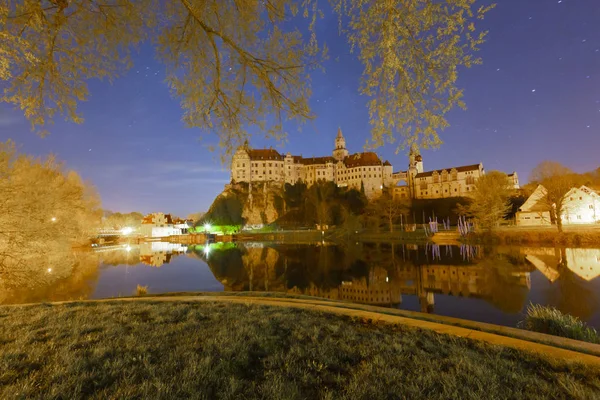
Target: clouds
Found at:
x=173, y=175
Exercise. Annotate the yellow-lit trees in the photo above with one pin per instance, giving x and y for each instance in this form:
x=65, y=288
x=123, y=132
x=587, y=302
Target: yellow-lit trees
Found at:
x=44, y=211
x=490, y=200
x=387, y=210
x=233, y=62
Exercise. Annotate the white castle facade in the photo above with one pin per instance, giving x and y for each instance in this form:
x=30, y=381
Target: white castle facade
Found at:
x=361, y=171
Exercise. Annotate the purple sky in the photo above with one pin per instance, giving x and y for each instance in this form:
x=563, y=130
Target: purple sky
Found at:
x=536, y=97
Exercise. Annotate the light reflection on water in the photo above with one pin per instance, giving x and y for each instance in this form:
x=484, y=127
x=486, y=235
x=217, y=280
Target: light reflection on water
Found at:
x=491, y=285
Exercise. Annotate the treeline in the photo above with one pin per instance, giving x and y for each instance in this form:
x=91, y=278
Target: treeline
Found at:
x=324, y=203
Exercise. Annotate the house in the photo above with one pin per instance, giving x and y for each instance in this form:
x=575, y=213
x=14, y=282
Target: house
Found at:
x=162, y=225
x=534, y=212
x=580, y=206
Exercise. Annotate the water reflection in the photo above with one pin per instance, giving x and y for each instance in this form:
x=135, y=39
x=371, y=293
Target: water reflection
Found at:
x=375, y=274
x=489, y=284
x=569, y=270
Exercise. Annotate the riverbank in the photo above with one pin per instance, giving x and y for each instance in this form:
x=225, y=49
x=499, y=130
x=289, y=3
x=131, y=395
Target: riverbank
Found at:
x=572, y=236
x=214, y=349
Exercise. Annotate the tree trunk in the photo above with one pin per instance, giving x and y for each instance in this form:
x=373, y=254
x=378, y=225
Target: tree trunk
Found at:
x=558, y=218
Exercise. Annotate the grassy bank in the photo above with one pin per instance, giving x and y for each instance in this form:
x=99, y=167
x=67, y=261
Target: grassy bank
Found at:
x=218, y=350
x=539, y=236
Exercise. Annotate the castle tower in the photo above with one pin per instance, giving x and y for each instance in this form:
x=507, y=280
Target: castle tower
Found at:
x=415, y=160
x=415, y=166
x=340, y=151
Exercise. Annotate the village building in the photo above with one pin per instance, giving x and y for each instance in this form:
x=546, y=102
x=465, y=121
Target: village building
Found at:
x=362, y=171
x=162, y=225
x=580, y=206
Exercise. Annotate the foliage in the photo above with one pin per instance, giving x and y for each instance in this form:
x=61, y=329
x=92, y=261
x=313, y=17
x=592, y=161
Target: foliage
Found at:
x=557, y=180
x=225, y=210
x=411, y=51
x=320, y=198
x=551, y=321
x=196, y=216
x=256, y=352
x=141, y=290
x=232, y=63
x=491, y=200
x=293, y=195
x=387, y=210
x=44, y=211
x=119, y=221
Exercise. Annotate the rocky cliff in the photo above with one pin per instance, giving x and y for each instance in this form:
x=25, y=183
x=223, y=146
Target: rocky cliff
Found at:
x=239, y=204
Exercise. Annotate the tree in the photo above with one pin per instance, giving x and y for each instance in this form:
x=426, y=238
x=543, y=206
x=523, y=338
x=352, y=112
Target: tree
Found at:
x=118, y=220
x=387, y=209
x=490, y=200
x=557, y=180
x=320, y=197
x=44, y=211
x=233, y=62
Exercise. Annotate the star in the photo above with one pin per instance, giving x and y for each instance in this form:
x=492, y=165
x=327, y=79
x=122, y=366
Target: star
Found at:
x=90, y=150
x=498, y=69
x=532, y=90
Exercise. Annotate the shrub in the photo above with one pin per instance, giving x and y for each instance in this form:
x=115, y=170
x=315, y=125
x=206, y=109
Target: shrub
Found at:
x=141, y=290
x=551, y=321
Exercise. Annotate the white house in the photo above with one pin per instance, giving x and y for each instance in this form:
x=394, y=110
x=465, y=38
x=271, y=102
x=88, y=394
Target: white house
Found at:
x=580, y=206
x=158, y=253
x=534, y=212
x=162, y=225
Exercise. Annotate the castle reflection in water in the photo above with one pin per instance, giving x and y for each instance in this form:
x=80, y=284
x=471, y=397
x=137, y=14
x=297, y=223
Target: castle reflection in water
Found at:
x=469, y=278
x=380, y=274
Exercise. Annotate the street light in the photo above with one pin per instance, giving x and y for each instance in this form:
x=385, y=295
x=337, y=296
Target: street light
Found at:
x=53, y=219
x=207, y=227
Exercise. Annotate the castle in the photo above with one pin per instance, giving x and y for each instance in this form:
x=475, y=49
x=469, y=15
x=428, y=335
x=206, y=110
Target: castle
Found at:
x=361, y=171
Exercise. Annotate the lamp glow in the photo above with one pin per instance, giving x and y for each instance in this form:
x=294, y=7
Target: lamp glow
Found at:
x=127, y=230
x=53, y=219
x=207, y=227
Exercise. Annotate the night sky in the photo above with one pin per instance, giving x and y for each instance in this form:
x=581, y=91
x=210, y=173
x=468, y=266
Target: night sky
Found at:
x=536, y=97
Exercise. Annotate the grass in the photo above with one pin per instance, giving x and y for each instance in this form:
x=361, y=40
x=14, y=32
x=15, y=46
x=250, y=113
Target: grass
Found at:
x=164, y=350
x=551, y=321
x=572, y=236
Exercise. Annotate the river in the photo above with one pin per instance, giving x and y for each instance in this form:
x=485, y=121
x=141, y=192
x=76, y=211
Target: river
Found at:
x=491, y=284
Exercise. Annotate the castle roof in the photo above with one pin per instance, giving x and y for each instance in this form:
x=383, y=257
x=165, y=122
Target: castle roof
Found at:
x=464, y=168
x=366, y=159
x=317, y=160
x=264, y=154
x=339, y=134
